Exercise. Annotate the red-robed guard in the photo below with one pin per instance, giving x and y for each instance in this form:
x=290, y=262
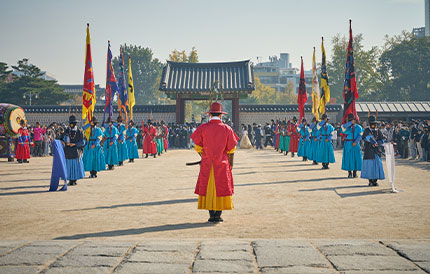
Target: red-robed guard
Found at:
x=277, y=134
x=165, y=135
x=294, y=137
x=216, y=144
x=149, y=145
x=24, y=142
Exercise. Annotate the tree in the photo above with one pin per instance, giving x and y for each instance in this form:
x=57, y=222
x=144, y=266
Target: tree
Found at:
x=3, y=71
x=365, y=64
x=43, y=92
x=290, y=96
x=146, y=70
x=28, y=69
x=182, y=57
x=405, y=68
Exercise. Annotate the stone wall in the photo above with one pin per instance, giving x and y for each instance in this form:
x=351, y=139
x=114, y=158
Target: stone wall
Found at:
x=262, y=118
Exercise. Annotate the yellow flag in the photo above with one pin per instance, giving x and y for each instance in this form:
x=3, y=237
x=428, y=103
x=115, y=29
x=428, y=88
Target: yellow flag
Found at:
x=325, y=89
x=131, y=100
x=315, y=89
x=89, y=91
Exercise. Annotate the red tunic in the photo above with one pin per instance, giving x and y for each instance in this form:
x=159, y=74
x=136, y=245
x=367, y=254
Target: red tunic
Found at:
x=294, y=138
x=165, y=135
x=217, y=139
x=149, y=145
x=23, y=148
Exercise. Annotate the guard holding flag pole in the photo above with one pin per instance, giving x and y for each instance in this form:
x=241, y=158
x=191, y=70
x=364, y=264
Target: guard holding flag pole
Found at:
x=94, y=160
x=372, y=168
x=216, y=144
x=352, y=158
x=326, y=152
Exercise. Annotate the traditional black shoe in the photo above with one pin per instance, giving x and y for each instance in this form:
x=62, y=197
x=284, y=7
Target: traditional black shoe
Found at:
x=130, y=160
x=292, y=155
x=70, y=183
x=19, y=161
x=146, y=156
x=26, y=161
x=354, y=174
x=349, y=174
x=120, y=163
x=155, y=155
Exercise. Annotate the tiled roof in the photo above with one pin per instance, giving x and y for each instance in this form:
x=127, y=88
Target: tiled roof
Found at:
x=393, y=106
x=284, y=108
x=98, y=109
x=200, y=77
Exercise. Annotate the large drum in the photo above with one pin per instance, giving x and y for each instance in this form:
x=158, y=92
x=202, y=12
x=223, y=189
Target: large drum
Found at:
x=10, y=118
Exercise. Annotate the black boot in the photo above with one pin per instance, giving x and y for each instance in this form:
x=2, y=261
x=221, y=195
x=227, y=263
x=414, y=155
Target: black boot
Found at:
x=305, y=158
x=155, y=155
x=110, y=167
x=19, y=161
x=375, y=182
x=130, y=160
x=217, y=217
x=314, y=162
x=354, y=174
x=146, y=156
x=211, y=216
x=349, y=174
x=26, y=161
x=120, y=163
x=292, y=155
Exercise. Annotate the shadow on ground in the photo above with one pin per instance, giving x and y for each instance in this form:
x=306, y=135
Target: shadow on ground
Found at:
x=167, y=202
x=135, y=231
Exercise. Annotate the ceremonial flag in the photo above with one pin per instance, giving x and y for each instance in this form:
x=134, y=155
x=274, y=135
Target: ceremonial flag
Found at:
x=315, y=89
x=131, y=99
x=303, y=95
x=122, y=94
x=89, y=91
x=111, y=86
x=325, y=89
x=350, y=87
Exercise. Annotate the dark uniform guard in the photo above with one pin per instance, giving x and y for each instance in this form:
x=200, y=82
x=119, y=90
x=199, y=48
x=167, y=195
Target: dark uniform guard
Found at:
x=73, y=141
x=372, y=168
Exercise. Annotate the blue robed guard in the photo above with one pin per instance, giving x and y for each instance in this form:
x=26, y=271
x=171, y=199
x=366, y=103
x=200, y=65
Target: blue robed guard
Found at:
x=110, y=145
x=352, y=158
x=304, y=143
x=372, y=168
x=94, y=159
x=130, y=138
x=73, y=140
x=314, y=141
x=122, y=145
x=326, y=152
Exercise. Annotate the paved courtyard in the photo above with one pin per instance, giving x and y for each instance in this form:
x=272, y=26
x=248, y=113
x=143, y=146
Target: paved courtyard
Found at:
x=289, y=217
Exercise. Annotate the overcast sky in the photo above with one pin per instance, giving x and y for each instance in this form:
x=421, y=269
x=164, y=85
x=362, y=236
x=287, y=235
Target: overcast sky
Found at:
x=51, y=33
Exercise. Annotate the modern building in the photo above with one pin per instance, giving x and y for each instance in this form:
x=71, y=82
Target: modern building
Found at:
x=419, y=32
x=427, y=17
x=278, y=72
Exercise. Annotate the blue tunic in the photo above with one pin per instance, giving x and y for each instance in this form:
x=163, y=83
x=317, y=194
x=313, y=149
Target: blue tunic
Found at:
x=304, y=143
x=122, y=145
x=111, y=150
x=131, y=134
x=74, y=164
x=94, y=159
x=372, y=167
x=352, y=157
x=314, y=142
x=325, y=150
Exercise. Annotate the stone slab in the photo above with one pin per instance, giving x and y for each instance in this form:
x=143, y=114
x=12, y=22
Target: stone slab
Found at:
x=152, y=268
x=177, y=257
x=9, y=269
x=26, y=258
x=295, y=270
x=44, y=249
x=167, y=246
x=424, y=265
x=419, y=252
x=78, y=270
x=366, y=249
x=287, y=254
x=225, y=255
x=218, y=266
x=86, y=261
x=371, y=263
x=98, y=251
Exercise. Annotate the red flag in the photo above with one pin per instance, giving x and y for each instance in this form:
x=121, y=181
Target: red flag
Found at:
x=350, y=92
x=303, y=95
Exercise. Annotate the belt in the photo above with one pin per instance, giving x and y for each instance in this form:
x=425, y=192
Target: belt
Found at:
x=348, y=140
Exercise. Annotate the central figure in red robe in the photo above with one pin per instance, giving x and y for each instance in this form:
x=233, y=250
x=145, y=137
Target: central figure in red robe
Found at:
x=149, y=145
x=216, y=143
x=294, y=137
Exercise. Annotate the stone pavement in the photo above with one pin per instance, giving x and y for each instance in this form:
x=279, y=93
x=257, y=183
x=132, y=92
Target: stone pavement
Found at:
x=216, y=256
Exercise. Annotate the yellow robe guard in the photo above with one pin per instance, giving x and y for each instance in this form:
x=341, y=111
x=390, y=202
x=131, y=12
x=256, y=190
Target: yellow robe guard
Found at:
x=211, y=201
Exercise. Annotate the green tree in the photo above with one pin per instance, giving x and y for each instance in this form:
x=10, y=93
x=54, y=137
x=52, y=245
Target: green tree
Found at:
x=28, y=69
x=4, y=72
x=405, y=68
x=43, y=92
x=289, y=96
x=146, y=70
x=365, y=64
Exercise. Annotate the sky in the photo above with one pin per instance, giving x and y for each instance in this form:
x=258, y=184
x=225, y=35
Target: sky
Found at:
x=51, y=33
